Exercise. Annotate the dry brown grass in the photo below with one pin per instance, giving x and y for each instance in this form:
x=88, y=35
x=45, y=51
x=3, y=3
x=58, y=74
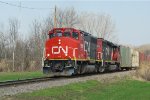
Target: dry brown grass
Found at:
x=144, y=71
x=4, y=66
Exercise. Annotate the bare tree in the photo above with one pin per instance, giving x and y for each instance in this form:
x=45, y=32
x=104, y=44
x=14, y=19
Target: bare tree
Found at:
x=45, y=27
x=13, y=32
x=1, y=44
x=101, y=26
x=67, y=17
x=35, y=42
x=36, y=30
x=2, y=41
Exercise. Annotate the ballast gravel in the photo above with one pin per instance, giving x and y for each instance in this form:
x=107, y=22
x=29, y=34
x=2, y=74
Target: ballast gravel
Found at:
x=12, y=90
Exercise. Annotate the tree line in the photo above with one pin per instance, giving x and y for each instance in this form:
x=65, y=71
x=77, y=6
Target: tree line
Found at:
x=19, y=54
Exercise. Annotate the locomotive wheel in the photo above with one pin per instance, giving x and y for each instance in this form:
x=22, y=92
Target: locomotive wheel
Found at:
x=78, y=69
x=101, y=69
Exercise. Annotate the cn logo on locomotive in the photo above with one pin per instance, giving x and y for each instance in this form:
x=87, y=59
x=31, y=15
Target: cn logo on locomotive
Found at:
x=58, y=49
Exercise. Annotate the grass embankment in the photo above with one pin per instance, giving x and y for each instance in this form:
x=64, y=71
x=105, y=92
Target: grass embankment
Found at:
x=5, y=76
x=91, y=90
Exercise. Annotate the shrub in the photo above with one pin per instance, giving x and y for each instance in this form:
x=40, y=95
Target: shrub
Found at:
x=144, y=72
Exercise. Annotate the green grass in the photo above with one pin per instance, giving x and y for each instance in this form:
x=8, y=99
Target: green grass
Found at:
x=4, y=76
x=91, y=90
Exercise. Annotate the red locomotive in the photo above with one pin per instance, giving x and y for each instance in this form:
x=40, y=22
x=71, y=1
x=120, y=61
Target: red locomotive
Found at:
x=69, y=51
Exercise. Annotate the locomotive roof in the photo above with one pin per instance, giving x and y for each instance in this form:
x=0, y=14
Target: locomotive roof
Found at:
x=108, y=42
x=87, y=34
x=51, y=31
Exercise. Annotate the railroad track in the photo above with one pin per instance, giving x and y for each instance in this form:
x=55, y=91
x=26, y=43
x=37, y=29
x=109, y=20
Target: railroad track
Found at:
x=24, y=81
x=41, y=79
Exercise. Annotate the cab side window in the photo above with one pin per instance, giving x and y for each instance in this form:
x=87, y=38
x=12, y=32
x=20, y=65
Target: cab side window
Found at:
x=51, y=35
x=67, y=34
x=75, y=35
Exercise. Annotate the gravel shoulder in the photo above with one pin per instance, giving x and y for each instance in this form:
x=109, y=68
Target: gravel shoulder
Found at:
x=108, y=77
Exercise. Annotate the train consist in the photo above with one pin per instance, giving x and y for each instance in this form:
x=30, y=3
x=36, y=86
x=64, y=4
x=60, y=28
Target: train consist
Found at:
x=69, y=51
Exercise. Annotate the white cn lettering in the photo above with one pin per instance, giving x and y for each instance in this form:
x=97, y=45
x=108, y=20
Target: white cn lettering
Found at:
x=57, y=49
x=74, y=52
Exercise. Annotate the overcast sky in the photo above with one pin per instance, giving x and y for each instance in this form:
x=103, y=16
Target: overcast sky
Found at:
x=132, y=18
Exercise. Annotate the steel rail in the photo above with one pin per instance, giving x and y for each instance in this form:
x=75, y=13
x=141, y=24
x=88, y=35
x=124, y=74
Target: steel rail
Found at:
x=24, y=81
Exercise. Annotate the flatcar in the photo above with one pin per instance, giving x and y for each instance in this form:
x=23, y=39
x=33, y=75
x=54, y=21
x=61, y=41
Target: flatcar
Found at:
x=69, y=51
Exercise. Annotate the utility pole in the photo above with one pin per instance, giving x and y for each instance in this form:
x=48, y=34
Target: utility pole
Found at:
x=55, y=20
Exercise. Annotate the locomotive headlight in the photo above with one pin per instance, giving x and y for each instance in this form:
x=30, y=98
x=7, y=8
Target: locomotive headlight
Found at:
x=48, y=55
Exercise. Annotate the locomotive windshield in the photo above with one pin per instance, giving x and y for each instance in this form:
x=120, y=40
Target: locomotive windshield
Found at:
x=67, y=34
x=58, y=34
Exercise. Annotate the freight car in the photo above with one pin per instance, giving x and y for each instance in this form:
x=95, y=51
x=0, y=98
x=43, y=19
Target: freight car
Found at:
x=144, y=58
x=135, y=58
x=129, y=58
x=69, y=51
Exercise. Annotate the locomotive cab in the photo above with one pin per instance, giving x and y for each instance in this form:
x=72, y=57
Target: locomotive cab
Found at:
x=61, y=50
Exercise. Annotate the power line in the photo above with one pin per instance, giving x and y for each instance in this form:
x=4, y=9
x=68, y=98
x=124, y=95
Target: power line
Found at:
x=10, y=4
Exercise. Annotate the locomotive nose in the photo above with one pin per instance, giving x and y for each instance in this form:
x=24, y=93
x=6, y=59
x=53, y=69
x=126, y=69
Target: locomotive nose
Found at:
x=59, y=41
x=60, y=49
